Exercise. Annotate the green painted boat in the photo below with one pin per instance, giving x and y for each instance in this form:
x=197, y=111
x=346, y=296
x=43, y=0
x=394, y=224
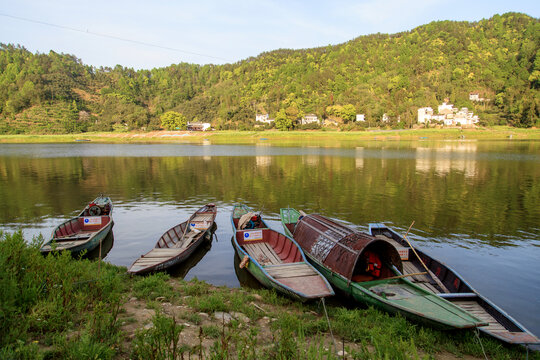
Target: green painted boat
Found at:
x=368, y=270
x=84, y=232
x=274, y=259
x=447, y=283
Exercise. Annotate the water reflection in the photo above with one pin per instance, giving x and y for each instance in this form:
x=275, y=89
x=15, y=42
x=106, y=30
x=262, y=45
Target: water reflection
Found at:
x=183, y=268
x=101, y=252
x=263, y=161
x=450, y=157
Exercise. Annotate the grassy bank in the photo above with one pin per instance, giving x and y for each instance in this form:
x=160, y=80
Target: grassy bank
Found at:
x=284, y=138
x=57, y=307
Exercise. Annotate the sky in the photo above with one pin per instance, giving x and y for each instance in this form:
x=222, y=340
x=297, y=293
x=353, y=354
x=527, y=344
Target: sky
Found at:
x=150, y=34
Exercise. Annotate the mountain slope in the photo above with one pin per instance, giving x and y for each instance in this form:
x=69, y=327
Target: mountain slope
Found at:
x=393, y=74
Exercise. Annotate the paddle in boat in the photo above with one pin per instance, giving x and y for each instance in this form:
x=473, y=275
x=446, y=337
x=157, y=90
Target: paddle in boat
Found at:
x=369, y=270
x=447, y=283
x=178, y=243
x=274, y=259
x=84, y=232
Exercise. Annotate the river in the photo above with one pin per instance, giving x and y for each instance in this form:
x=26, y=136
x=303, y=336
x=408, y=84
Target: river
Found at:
x=475, y=204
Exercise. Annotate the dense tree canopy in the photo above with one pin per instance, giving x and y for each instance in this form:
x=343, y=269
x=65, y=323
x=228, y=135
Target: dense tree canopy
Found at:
x=172, y=120
x=372, y=75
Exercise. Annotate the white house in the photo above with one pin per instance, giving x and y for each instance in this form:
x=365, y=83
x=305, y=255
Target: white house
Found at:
x=198, y=126
x=474, y=96
x=309, y=119
x=449, y=115
x=424, y=114
x=264, y=118
x=385, y=118
x=360, y=117
x=445, y=108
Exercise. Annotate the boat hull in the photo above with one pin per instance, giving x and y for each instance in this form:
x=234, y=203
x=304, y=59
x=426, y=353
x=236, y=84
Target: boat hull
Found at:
x=276, y=260
x=178, y=243
x=92, y=243
x=177, y=260
x=264, y=278
x=85, y=232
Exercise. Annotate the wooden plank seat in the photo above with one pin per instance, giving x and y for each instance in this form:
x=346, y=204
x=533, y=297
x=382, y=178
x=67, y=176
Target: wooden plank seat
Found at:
x=156, y=253
x=263, y=253
x=156, y=256
x=474, y=308
x=423, y=281
x=60, y=245
x=202, y=217
x=290, y=270
x=73, y=237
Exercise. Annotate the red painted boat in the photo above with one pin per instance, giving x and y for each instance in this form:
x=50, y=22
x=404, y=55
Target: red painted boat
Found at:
x=275, y=259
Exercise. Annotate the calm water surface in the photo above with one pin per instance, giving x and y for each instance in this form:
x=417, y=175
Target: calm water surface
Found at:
x=475, y=204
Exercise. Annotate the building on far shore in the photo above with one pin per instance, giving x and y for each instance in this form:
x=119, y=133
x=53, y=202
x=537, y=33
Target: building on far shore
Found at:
x=309, y=119
x=475, y=96
x=360, y=117
x=448, y=115
x=198, y=126
x=264, y=118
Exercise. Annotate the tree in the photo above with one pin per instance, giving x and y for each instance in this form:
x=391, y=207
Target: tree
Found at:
x=172, y=120
x=348, y=113
x=283, y=122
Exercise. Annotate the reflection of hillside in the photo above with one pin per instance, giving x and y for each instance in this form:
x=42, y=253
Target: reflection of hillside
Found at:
x=359, y=158
x=263, y=160
x=473, y=194
x=311, y=160
x=449, y=157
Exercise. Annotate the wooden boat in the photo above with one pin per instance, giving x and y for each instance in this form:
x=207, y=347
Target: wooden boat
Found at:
x=368, y=270
x=84, y=232
x=178, y=243
x=447, y=283
x=274, y=259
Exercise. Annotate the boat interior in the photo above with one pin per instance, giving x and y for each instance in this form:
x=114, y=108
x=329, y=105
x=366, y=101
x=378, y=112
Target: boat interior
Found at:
x=376, y=262
x=268, y=247
x=80, y=226
x=97, y=209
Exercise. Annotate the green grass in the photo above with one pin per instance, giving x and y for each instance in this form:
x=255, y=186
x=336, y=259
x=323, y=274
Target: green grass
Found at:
x=58, y=307
x=288, y=138
x=56, y=300
x=154, y=286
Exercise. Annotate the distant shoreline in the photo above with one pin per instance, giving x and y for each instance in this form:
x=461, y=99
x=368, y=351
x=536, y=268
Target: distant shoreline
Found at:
x=287, y=137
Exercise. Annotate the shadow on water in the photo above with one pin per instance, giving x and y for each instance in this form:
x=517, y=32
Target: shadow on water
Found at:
x=106, y=246
x=244, y=277
x=182, y=269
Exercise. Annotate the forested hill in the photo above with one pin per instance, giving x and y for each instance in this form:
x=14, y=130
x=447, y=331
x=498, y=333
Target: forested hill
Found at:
x=394, y=74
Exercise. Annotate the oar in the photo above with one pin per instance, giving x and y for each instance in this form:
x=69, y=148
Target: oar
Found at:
x=441, y=285
x=405, y=275
x=187, y=226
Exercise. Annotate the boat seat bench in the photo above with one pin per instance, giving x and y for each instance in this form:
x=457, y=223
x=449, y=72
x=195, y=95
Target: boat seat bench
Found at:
x=290, y=270
x=263, y=253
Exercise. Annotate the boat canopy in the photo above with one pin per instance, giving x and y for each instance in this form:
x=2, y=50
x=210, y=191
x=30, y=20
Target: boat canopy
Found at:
x=339, y=247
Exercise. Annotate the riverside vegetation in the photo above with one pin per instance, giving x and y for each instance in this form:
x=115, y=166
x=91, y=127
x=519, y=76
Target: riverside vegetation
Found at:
x=58, y=307
x=376, y=74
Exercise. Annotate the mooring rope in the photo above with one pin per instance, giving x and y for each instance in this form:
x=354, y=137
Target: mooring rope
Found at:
x=328, y=321
x=477, y=333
